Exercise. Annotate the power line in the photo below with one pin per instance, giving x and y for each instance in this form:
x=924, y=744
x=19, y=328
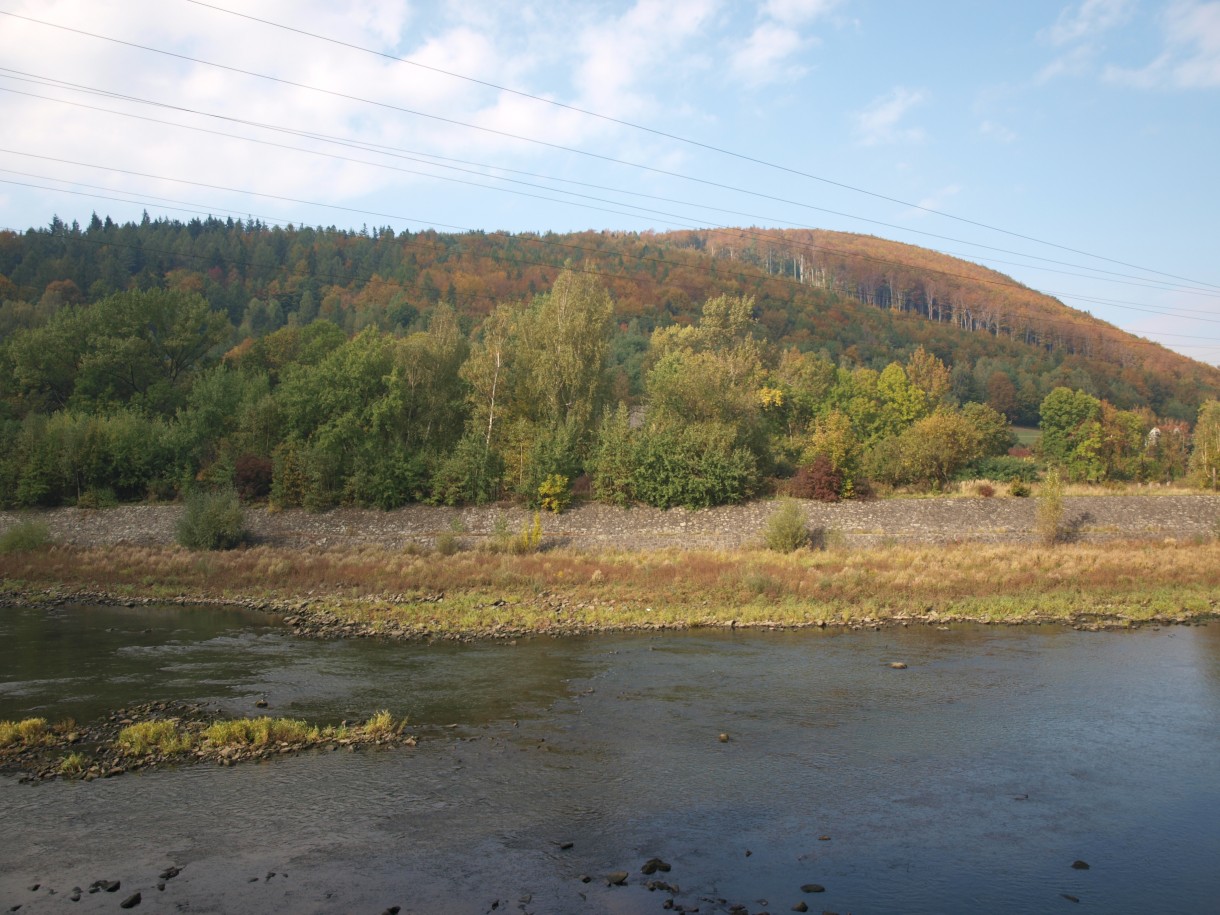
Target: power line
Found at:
x=389, y=151
x=821, y=248
x=681, y=139
x=577, y=151
x=1051, y=322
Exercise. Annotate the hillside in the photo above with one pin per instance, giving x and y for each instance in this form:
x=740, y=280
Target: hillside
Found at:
x=856, y=297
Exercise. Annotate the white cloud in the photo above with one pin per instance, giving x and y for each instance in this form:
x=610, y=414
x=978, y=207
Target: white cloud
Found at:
x=796, y=12
x=761, y=59
x=1086, y=20
x=1190, y=57
x=621, y=54
x=1079, y=31
x=879, y=122
x=1075, y=62
x=998, y=132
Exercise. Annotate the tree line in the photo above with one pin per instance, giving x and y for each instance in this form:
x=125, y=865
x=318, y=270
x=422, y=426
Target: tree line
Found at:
x=855, y=299
x=142, y=395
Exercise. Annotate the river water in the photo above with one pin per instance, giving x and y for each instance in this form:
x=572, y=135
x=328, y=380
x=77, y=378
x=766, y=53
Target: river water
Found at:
x=968, y=782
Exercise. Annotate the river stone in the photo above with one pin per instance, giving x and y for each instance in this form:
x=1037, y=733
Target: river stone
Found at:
x=1069, y=897
x=616, y=878
x=898, y=665
x=130, y=902
x=801, y=906
x=813, y=888
x=652, y=865
x=1080, y=865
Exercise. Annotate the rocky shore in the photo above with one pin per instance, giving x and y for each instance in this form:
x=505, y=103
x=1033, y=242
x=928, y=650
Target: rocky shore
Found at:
x=596, y=527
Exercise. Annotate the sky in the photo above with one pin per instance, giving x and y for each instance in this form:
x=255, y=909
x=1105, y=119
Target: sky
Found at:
x=1073, y=146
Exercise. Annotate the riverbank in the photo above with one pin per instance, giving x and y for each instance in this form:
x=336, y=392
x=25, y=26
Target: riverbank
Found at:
x=1135, y=514
x=373, y=591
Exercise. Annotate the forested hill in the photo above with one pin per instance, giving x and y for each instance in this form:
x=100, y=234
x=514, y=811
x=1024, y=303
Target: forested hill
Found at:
x=860, y=300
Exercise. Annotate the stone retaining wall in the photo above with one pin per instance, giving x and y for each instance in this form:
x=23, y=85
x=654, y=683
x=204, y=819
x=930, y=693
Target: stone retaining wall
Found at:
x=594, y=526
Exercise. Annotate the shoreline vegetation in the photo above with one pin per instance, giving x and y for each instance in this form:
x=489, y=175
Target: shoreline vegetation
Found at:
x=157, y=734
x=380, y=592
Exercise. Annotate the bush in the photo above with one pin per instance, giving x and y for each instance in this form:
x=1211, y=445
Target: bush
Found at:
x=1050, y=508
x=554, y=494
x=24, y=536
x=1018, y=489
x=696, y=465
x=471, y=474
x=252, y=476
x=530, y=537
x=786, y=529
x=212, y=521
x=98, y=498
x=817, y=480
x=986, y=490
x=1003, y=469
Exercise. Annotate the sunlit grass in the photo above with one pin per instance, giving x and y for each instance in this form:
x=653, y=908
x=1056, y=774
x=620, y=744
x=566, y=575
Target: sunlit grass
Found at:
x=73, y=764
x=28, y=732
x=570, y=590
x=259, y=732
x=147, y=737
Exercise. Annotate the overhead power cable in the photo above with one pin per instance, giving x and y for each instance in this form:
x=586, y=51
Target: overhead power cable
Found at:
x=414, y=157
x=415, y=241
x=575, y=150
x=677, y=137
x=381, y=215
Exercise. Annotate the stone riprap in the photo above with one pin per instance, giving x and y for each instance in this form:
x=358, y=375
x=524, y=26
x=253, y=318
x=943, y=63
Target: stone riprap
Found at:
x=599, y=527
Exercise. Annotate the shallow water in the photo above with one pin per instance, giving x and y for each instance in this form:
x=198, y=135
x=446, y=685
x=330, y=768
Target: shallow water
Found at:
x=611, y=743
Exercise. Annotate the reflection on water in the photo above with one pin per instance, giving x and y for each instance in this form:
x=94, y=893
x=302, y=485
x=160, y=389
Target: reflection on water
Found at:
x=968, y=782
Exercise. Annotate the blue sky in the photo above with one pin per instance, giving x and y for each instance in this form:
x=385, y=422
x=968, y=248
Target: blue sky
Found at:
x=1092, y=125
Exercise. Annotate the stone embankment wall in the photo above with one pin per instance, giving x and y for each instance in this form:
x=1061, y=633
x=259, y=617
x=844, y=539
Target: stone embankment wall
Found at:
x=593, y=526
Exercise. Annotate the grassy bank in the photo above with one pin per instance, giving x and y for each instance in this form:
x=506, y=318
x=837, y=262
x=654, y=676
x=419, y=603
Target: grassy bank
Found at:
x=373, y=590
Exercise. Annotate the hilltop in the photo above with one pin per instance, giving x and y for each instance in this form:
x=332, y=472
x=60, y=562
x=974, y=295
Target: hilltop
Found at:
x=853, y=297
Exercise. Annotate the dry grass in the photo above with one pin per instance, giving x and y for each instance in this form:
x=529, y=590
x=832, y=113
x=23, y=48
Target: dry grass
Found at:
x=29, y=732
x=73, y=764
x=259, y=732
x=262, y=732
x=559, y=590
x=147, y=737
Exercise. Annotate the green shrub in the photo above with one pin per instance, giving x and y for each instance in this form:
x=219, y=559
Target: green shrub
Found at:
x=786, y=529
x=212, y=521
x=24, y=536
x=98, y=498
x=1001, y=469
x=1018, y=489
x=470, y=475
x=554, y=494
x=696, y=465
x=613, y=460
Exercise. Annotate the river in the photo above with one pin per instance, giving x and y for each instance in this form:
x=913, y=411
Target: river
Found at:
x=968, y=782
